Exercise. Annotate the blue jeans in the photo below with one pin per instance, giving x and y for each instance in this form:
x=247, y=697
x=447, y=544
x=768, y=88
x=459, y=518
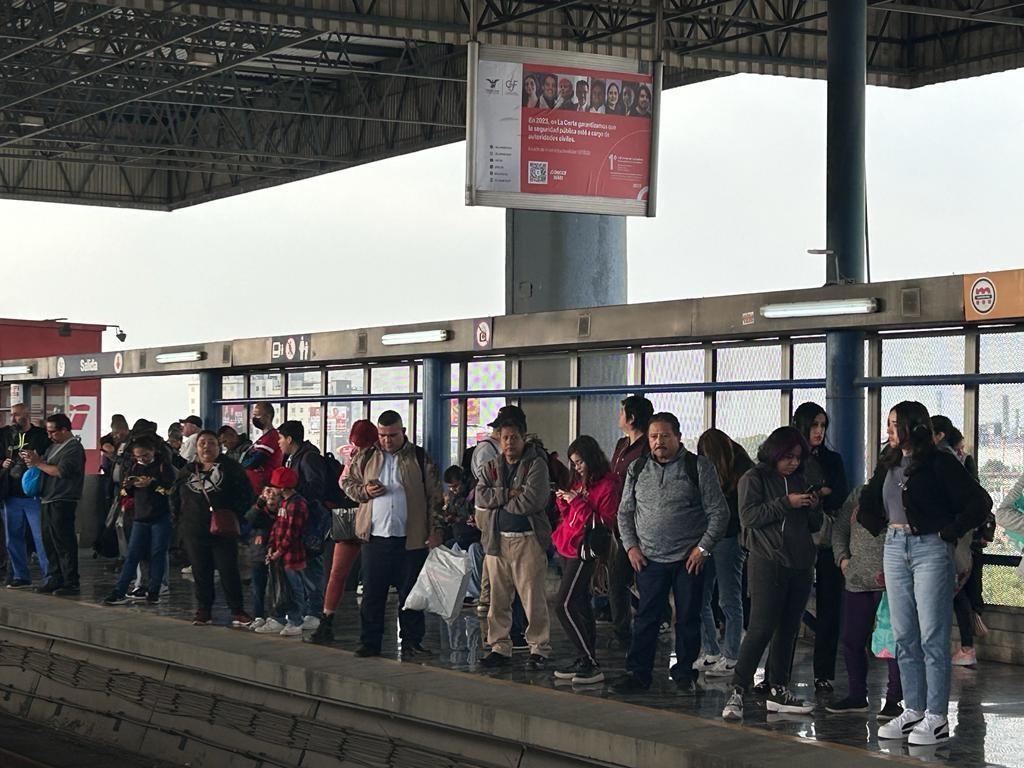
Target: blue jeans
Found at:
x=919, y=579
x=725, y=568
x=654, y=582
x=298, y=588
x=476, y=568
x=260, y=576
x=315, y=581
x=149, y=541
x=18, y=513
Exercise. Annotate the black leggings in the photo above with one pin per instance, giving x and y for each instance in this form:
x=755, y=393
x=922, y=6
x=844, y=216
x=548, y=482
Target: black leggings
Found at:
x=209, y=553
x=778, y=596
x=575, y=607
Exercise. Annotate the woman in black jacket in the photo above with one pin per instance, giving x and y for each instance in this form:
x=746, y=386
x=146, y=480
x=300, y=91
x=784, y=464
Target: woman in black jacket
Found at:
x=212, y=482
x=925, y=501
x=778, y=516
x=731, y=462
x=824, y=467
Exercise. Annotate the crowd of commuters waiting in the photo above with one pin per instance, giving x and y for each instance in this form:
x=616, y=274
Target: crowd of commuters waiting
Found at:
x=690, y=534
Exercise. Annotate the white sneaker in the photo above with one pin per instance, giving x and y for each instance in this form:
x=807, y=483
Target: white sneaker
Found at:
x=706, y=662
x=900, y=727
x=270, y=627
x=165, y=590
x=722, y=668
x=934, y=729
x=310, y=622
x=257, y=623
x=291, y=630
x=186, y=571
x=733, y=710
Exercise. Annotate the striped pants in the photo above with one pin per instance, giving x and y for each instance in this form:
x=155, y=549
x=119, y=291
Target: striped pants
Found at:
x=575, y=608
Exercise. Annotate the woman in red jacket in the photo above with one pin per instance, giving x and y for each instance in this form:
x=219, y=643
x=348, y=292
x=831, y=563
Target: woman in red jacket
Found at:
x=587, y=515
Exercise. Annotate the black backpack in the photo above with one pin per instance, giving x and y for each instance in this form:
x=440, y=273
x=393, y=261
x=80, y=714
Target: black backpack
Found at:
x=689, y=465
x=333, y=495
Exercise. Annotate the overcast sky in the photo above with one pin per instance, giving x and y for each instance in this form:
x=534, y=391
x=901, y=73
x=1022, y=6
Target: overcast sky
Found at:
x=741, y=199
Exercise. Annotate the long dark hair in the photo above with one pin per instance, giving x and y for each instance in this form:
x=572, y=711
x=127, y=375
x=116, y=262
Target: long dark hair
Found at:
x=914, y=430
x=779, y=443
x=804, y=416
x=725, y=454
x=590, y=452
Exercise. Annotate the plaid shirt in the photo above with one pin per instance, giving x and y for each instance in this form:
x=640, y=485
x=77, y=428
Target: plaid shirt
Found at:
x=286, y=533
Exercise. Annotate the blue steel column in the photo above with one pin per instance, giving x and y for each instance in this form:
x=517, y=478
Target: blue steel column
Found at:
x=209, y=394
x=436, y=427
x=844, y=220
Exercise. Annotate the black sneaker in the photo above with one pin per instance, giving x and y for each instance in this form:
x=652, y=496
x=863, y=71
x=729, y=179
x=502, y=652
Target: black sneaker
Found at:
x=821, y=685
x=848, y=704
x=536, y=661
x=493, y=660
x=137, y=595
x=413, y=650
x=114, y=598
x=18, y=584
x=686, y=686
x=781, y=700
x=890, y=710
x=761, y=689
x=153, y=598
x=67, y=591
x=588, y=673
x=48, y=588
x=365, y=651
x=201, y=619
x=520, y=644
x=630, y=684
x=569, y=672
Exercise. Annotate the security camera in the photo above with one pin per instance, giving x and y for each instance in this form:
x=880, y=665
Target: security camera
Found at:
x=121, y=335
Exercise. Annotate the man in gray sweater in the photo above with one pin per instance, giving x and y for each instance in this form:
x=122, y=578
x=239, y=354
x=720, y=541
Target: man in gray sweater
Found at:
x=672, y=514
x=63, y=469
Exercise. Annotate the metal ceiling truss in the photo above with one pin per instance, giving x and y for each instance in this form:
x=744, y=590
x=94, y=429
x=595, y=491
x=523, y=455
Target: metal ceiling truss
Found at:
x=166, y=103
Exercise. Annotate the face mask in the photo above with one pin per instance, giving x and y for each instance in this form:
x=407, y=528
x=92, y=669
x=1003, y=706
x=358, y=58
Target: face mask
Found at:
x=143, y=462
x=257, y=422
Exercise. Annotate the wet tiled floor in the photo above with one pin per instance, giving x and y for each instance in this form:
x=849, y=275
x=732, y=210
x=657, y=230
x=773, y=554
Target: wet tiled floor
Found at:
x=986, y=713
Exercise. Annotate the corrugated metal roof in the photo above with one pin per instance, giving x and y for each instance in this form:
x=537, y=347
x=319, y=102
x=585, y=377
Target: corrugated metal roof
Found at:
x=160, y=104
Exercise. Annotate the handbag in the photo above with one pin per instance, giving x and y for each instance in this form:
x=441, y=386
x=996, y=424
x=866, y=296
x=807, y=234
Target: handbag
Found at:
x=32, y=481
x=596, y=540
x=223, y=522
x=343, y=525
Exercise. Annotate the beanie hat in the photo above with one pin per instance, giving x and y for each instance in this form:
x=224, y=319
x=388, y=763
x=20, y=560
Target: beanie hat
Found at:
x=363, y=433
x=284, y=477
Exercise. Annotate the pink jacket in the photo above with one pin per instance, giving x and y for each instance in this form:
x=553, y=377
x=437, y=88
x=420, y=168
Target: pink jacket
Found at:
x=602, y=499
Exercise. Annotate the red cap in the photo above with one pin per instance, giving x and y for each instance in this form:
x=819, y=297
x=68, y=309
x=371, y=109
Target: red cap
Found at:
x=284, y=477
x=363, y=433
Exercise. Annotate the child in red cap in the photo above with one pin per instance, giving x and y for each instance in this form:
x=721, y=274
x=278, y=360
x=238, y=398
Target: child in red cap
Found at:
x=285, y=545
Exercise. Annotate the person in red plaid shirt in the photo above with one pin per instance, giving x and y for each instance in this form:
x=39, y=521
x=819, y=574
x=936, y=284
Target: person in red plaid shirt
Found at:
x=285, y=545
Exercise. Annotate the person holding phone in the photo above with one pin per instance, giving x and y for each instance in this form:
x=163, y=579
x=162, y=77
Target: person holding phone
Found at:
x=825, y=471
x=778, y=516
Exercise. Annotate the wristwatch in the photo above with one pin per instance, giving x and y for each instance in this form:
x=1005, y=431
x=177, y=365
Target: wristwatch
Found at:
x=703, y=551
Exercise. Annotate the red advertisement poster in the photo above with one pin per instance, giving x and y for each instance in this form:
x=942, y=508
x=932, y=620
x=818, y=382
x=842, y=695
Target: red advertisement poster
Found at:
x=585, y=132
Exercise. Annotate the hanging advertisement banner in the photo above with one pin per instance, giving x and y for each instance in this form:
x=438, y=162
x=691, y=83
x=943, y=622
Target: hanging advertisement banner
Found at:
x=558, y=131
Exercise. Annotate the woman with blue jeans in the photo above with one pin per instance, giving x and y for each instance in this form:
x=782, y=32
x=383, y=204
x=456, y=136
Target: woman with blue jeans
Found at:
x=924, y=501
x=145, y=495
x=726, y=566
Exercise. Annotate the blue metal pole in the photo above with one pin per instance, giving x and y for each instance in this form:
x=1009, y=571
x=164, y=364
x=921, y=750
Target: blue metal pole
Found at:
x=844, y=220
x=436, y=428
x=209, y=400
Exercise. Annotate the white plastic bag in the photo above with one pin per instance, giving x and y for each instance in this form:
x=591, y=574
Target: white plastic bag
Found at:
x=442, y=584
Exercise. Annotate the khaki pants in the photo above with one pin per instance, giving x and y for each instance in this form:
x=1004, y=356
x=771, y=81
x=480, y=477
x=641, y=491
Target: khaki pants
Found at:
x=521, y=567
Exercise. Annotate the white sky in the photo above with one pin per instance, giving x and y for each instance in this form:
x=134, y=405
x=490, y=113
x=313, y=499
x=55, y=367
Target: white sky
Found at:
x=741, y=199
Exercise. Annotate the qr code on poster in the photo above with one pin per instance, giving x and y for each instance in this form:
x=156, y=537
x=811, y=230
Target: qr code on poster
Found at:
x=537, y=172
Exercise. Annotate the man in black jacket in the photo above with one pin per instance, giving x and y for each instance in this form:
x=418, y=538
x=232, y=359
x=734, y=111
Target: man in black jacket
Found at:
x=306, y=459
x=19, y=509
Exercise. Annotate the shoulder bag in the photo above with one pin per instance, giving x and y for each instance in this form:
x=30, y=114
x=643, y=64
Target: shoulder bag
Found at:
x=223, y=522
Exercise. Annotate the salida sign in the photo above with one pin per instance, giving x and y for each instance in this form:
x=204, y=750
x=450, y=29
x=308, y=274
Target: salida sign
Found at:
x=90, y=366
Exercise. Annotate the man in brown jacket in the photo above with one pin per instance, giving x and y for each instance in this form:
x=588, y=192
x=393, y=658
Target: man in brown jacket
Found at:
x=512, y=498
x=399, y=517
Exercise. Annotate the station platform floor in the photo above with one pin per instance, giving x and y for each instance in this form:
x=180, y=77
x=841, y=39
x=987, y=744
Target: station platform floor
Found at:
x=986, y=711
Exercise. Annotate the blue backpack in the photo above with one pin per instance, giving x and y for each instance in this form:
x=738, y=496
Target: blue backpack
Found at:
x=32, y=481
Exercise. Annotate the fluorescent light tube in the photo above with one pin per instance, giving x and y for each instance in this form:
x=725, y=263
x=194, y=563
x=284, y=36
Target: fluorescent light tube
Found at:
x=202, y=59
x=32, y=121
x=820, y=308
x=15, y=370
x=414, y=337
x=192, y=356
